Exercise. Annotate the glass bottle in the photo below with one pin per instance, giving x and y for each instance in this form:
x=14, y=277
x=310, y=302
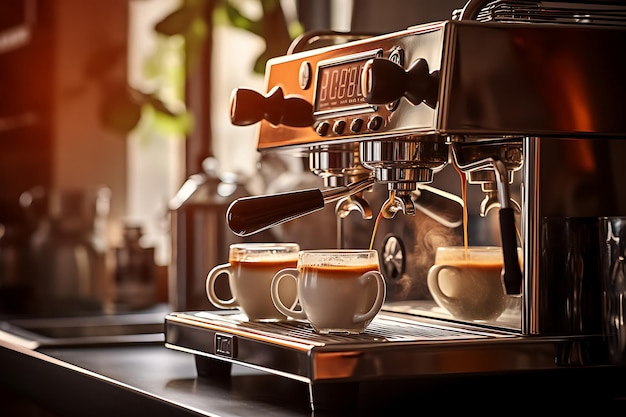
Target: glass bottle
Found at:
x=135, y=272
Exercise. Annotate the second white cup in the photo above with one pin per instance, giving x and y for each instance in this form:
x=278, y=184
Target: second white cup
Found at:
x=339, y=291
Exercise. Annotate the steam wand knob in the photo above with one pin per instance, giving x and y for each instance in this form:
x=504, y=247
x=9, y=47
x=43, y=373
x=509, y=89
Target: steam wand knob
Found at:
x=248, y=107
x=384, y=81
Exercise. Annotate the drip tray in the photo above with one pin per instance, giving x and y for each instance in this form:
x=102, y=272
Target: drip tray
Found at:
x=395, y=345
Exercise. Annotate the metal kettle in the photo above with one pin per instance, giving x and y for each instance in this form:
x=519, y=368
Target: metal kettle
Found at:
x=67, y=249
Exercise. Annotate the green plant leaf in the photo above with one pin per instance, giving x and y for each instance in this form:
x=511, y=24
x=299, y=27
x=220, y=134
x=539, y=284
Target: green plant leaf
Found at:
x=175, y=23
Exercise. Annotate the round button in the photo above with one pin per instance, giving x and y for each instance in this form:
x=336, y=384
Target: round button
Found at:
x=356, y=125
x=322, y=128
x=304, y=76
x=397, y=56
x=375, y=123
x=339, y=127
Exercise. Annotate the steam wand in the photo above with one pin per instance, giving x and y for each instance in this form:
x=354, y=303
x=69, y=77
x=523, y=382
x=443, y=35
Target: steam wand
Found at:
x=511, y=274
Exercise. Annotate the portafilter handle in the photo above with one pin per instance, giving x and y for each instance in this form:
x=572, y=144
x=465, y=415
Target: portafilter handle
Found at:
x=249, y=215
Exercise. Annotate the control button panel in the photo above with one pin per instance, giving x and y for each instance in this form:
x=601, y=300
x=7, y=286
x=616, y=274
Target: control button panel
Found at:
x=330, y=80
x=369, y=121
x=374, y=123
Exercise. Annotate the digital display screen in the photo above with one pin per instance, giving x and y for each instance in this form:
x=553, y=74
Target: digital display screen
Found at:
x=339, y=86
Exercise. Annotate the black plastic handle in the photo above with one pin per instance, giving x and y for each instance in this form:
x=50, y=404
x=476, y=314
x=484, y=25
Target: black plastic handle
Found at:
x=249, y=215
x=248, y=107
x=384, y=81
x=512, y=273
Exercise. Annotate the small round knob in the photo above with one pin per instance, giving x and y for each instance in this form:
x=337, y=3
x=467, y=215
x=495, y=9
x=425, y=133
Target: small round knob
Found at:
x=248, y=107
x=384, y=81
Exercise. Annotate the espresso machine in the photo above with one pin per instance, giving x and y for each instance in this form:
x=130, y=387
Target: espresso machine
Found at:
x=515, y=102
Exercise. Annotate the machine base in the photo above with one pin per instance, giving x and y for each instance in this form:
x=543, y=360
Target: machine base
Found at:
x=396, y=348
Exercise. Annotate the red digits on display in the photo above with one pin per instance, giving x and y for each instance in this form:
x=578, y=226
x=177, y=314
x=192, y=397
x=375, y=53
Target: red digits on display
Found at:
x=339, y=86
x=353, y=84
x=323, y=87
x=333, y=82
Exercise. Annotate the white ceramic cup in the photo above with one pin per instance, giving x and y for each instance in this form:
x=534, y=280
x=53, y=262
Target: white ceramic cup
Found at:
x=250, y=269
x=339, y=291
x=468, y=282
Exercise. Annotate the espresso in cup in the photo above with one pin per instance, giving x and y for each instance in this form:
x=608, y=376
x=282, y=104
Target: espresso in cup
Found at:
x=467, y=282
x=339, y=291
x=250, y=270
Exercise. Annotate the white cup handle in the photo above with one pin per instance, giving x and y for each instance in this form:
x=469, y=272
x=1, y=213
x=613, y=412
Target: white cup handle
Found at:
x=433, y=283
x=210, y=287
x=381, y=291
x=278, y=303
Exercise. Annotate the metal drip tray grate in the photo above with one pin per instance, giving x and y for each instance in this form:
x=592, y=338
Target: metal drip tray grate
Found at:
x=384, y=328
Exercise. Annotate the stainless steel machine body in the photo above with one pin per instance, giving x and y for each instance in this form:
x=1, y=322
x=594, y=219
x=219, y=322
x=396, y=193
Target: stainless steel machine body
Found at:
x=524, y=99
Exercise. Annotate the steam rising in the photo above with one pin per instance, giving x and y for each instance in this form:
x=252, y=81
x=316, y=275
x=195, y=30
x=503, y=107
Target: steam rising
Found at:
x=428, y=235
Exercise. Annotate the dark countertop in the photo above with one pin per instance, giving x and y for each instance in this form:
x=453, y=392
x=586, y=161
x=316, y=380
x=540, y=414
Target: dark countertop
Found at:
x=152, y=380
x=142, y=380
